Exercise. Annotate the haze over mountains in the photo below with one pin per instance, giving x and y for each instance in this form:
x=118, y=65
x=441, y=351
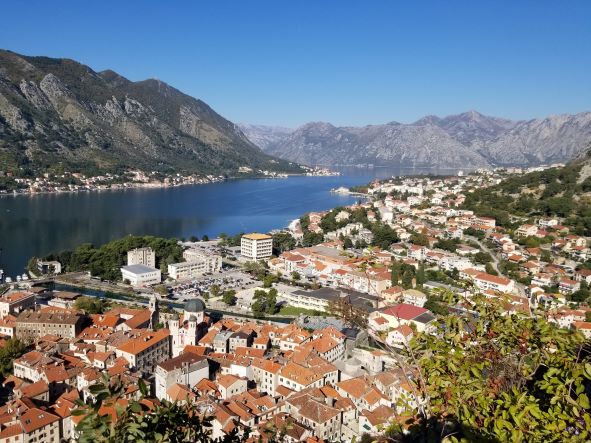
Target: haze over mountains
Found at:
x=464, y=140
x=60, y=114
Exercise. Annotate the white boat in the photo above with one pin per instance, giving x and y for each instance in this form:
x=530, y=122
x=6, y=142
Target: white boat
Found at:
x=18, y=278
x=25, y=276
x=8, y=280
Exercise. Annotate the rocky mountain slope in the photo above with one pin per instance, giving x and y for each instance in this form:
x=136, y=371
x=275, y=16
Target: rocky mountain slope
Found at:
x=465, y=140
x=59, y=114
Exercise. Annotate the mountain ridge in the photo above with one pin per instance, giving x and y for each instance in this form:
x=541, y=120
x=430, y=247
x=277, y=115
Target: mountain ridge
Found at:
x=58, y=114
x=469, y=139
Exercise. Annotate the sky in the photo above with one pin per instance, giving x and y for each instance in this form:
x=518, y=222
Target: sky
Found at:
x=286, y=63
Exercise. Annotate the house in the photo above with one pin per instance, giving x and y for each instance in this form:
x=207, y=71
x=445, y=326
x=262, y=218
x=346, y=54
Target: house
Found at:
x=568, y=286
x=400, y=336
x=414, y=297
x=230, y=385
x=527, y=230
x=404, y=314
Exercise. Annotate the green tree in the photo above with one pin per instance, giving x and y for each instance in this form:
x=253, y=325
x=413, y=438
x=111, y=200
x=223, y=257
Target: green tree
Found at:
x=90, y=305
x=283, y=241
x=12, y=349
x=229, y=297
x=205, y=238
x=482, y=257
x=215, y=290
x=383, y=236
x=348, y=243
x=420, y=277
x=269, y=280
x=407, y=279
x=295, y=276
x=489, y=268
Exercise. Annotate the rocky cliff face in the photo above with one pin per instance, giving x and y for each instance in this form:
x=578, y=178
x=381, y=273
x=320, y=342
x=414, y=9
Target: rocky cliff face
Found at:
x=60, y=114
x=465, y=140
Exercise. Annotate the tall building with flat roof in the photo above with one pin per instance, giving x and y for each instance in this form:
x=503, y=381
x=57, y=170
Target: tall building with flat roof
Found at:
x=256, y=246
x=141, y=256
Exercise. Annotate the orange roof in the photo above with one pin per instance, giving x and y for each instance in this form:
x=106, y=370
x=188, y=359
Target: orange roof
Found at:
x=144, y=341
x=35, y=418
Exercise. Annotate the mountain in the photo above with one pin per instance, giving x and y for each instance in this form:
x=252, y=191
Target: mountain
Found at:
x=59, y=114
x=264, y=136
x=464, y=140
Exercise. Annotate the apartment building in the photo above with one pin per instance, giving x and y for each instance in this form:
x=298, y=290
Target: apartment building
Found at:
x=31, y=325
x=195, y=266
x=147, y=350
x=141, y=256
x=256, y=246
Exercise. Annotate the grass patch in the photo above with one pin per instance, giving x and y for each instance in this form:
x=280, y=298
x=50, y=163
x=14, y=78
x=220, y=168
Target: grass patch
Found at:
x=292, y=310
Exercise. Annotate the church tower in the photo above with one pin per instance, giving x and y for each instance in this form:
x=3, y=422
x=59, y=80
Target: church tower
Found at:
x=154, y=311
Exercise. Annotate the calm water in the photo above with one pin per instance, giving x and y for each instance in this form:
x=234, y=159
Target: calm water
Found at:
x=41, y=224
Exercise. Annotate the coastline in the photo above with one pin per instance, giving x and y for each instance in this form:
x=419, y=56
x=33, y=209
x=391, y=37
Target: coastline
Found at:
x=159, y=185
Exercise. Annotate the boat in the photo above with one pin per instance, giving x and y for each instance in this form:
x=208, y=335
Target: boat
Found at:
x=8, y=280
x=18, y=278
x=25, y=276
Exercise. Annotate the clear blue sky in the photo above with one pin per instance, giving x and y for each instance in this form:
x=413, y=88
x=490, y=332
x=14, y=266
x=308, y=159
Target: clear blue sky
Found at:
x=350, y=63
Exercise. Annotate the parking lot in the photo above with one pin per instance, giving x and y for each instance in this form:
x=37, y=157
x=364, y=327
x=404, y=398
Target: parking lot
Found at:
x=226, y=280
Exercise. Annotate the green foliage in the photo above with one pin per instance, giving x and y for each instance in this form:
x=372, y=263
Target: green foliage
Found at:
x=12, y=349
x=554, y=191
x=229, y=297
x=231, y=241
x=383, y=236
x=482, y=257
x=90, y=305
x=107, y=260
x=215, y=290
x=264, y=302
x=269, y=280
x=282, y=242
x=256, y=268
x=490, y=269
x=312, y=238
x=447, y=244
x=419, y=239
x=500, y=377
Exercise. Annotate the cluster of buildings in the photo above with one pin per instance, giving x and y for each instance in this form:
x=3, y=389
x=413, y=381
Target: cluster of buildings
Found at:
x=315, y=384
x=141, y=268
x=73, y=182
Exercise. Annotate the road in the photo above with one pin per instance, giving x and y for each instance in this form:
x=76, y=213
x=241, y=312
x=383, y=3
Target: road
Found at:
x=495, y=263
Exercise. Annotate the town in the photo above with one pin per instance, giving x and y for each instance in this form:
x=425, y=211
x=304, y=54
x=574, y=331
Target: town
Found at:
x=302, y=329
x=67, y=181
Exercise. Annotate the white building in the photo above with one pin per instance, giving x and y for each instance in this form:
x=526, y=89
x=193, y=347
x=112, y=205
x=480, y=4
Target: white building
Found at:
x=256, y=246
x=141, y=275
x=141, y=256
x=16, y=302
x=187, y=330
x=186, y=369
x=198, y=263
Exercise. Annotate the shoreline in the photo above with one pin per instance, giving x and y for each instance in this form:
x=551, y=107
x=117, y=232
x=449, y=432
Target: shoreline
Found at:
x=157, y=185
